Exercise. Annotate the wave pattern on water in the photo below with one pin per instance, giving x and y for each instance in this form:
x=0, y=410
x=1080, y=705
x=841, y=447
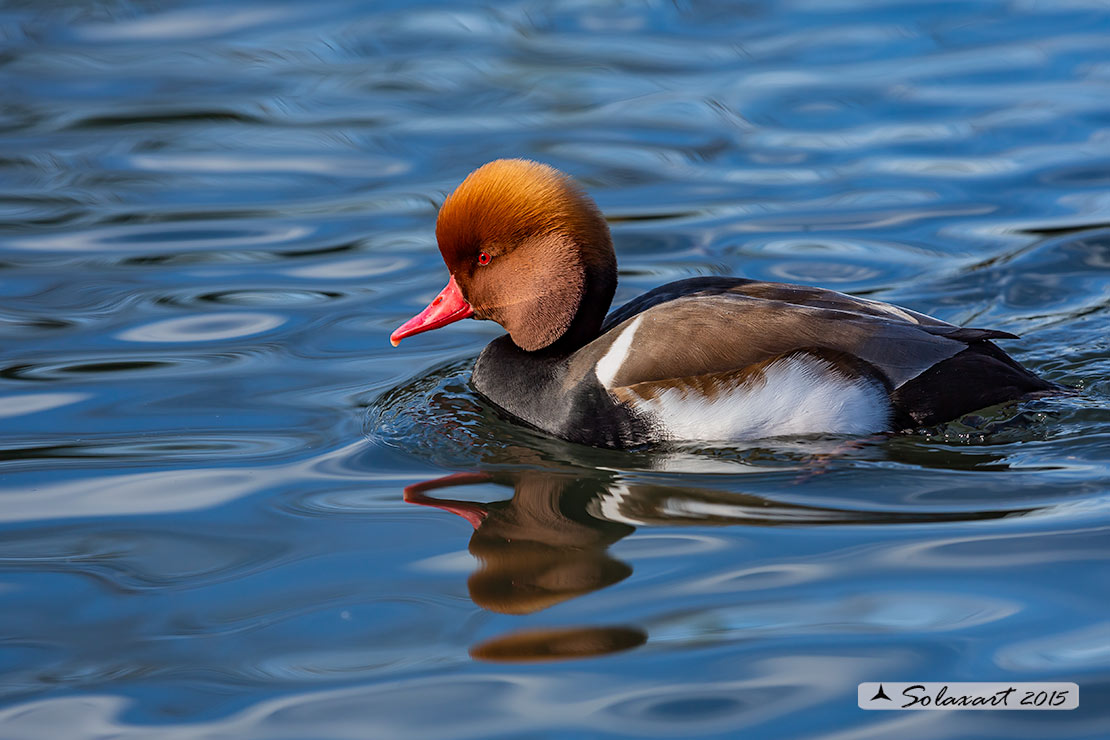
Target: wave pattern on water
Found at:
x=226, y=500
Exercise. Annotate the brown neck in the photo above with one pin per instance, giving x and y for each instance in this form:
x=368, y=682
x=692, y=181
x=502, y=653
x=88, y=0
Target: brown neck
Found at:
x=601, y=284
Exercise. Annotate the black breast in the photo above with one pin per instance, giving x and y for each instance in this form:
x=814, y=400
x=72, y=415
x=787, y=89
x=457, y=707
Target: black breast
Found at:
x=555, y=395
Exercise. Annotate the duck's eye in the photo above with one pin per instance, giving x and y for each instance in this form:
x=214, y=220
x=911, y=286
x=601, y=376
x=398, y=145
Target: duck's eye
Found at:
x=483, y=258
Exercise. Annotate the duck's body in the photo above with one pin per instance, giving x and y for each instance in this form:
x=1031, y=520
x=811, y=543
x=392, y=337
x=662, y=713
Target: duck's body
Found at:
x=704, y=359
x=715, y=359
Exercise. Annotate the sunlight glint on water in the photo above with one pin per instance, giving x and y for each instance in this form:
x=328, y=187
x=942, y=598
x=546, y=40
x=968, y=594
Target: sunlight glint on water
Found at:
x=226, y=504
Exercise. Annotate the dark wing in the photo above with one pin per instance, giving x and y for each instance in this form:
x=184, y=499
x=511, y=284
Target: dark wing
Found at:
x=718, y=325
x=979, y=376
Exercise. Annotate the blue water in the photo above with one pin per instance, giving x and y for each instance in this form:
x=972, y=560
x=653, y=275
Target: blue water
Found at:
x=213, y=214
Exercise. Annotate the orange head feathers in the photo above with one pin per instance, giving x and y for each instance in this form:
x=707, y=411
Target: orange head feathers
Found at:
x=526, y=248
x=508, y=200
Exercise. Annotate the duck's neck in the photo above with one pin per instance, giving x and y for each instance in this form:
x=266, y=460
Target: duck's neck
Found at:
x=534, y=386
x=601, y=284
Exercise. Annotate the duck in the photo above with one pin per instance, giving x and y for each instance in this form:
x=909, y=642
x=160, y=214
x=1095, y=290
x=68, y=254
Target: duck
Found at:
x=699, y=360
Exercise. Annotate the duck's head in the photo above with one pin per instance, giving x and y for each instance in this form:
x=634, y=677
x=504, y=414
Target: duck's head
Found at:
x=526, y=248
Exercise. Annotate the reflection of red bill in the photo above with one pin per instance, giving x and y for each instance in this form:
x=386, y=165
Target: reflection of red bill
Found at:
x=473, y=512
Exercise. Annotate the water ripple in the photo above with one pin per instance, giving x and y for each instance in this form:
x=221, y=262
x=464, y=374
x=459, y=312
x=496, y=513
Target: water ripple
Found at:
x=178, y=238
x=207, y=328
x=32, y=403
x=134, y=494
x=212, y=216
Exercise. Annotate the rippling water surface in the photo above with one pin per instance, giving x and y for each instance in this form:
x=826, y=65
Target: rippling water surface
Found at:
x=229, y=509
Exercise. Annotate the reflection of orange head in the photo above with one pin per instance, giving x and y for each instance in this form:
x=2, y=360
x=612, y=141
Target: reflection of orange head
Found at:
x=525, y=577
x=542, y=548
x=537, y=549
x=558, y=644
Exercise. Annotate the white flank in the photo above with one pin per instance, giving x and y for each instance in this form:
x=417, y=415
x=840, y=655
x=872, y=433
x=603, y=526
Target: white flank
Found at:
x=610, y=503
x=609, y=365
x=618, y=504
x=798, y=395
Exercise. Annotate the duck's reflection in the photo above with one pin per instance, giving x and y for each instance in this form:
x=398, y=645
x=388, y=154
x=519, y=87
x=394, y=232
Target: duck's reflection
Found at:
x=529, y=646
x=549, y=543
x=537, y=549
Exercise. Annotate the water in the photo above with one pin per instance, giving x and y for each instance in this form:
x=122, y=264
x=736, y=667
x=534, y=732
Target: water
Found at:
x=212, y=215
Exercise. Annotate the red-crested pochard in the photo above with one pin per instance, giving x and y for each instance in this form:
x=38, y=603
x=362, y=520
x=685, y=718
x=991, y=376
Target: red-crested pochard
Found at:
x=702, y=359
